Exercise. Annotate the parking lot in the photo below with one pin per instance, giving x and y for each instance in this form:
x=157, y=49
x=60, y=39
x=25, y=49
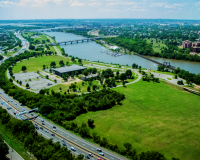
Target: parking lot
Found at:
x=33, y=79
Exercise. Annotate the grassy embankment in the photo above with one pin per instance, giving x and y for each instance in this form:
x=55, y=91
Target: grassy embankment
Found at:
x=13, y=142
x=160, y=117
x=156, y=46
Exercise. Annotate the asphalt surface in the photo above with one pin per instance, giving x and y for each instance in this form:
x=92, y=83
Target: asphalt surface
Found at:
x=81, y=145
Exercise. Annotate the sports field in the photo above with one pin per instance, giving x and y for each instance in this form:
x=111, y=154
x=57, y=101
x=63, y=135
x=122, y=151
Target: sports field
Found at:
x=159, y=117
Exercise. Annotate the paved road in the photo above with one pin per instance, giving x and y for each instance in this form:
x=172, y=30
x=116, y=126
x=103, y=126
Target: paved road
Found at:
x=82, y=146
x=13, y=155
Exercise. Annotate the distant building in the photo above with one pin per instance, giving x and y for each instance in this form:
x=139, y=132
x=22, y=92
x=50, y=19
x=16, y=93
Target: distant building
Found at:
x=68, y=69
x=194, y=47
x=114, y=47
x=187, y=44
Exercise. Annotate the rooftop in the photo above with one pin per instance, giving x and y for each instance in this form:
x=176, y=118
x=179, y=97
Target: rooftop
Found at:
x=69, y=68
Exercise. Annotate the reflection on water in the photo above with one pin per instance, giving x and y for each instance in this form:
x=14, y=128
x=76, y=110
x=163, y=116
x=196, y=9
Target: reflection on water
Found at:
x=93, y=52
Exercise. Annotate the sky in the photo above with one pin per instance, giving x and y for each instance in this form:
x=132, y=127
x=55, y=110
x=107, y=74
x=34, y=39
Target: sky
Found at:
x=81, y=9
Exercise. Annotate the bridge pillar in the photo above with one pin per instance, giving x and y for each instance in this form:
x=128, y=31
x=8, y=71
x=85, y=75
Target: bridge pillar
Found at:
x=82, y=40
x=87, y=40
x=71, y=42
x=77, y=42
x=65, y=43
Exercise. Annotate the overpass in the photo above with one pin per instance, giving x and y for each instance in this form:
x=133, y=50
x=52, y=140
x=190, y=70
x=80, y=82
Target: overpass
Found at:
x=75, y=41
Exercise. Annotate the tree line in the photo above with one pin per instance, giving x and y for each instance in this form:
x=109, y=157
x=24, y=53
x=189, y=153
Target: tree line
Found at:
x=25, y=132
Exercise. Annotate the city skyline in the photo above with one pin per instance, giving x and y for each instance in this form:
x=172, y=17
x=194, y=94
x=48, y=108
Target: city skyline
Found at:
x=83, y=9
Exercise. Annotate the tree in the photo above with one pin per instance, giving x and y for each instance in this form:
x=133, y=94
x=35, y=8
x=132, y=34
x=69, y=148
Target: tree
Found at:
x=27, y=85
x=20, y=82
x=91, y=123
x=76, y=73
x=127, y=146
x=42, y=91
x=85, y=72
x=47, y=77
x=1, y=57
x=80, y=61
x=11, y=80
x=117, y=73
x=72, y=74
x=67, y=63
x=61, y=63
x=88, y=88
x=80, y=157
x=53, y=64
x=22, y=100
x=122, y=77
x=44, y=67
x=23, y=68
x=128, y=73
x=94, y=87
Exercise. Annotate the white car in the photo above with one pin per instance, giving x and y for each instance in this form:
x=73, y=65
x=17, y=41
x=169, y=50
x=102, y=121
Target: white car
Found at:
x=101, y=153
x=47, y=131
x=90, y=154
x=42, y=120
x=54, y=130
x=73, y=149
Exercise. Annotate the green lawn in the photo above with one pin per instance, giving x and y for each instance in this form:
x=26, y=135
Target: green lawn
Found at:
x=65, y=87
x=159, y=117
x=35, y=64
x=168, y=73
x=156, y=46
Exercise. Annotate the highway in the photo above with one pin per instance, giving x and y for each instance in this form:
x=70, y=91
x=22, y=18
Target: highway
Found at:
x=81, y=145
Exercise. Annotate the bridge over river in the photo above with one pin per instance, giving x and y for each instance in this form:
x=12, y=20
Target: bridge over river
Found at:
x=76, y=41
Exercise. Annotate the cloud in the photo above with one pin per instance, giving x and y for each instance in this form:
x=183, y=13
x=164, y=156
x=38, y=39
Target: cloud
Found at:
x=6, y=3
x=94, y=4
x=197, y=4
x=77, y=4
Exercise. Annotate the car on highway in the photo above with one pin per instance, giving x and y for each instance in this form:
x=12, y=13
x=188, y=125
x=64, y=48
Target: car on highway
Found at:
x=54, y=130
x=99, y=159
x=47, y=131
x=15, y=103
x=43, y=123
x=73, y=149
x=99, y=150
x=63, y=140
x=87, y=157
x=8, y=101
x=32, y=114
x=11, y=101
x=6, y=104
x=53, y=135
x=41, y=128
x=54, y=126
x=42, y=120
x=22, y=118
x=9, y=108
x=101, y=153
x=90, y=154
x=37, y=128
x=64, y=144
x=36, y=124
x=23, y=110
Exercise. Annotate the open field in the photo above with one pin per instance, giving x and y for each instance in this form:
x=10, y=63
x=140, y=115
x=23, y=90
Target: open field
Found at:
x=160, y=117
x=156, y=46
x=35, y=64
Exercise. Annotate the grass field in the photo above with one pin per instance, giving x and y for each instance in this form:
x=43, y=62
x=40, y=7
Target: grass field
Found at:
x=35, y=64
x=159, y=117
x=156, y=46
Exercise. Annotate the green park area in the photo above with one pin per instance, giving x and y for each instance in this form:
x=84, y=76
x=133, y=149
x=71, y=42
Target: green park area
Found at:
x=156, y=46
x=35, y=64
x=153, y=117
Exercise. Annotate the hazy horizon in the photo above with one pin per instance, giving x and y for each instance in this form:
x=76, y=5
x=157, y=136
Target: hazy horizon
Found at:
x=101, y=9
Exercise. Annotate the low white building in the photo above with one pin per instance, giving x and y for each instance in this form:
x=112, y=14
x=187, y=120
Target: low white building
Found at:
x=114, y=47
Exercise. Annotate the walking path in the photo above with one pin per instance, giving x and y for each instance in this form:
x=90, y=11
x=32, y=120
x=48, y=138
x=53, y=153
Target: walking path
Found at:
x=13, y=155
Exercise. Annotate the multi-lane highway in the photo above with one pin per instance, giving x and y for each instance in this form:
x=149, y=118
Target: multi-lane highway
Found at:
x=82, y=146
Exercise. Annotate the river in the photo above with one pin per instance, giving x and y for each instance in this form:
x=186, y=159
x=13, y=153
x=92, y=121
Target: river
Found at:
x=93, y=52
